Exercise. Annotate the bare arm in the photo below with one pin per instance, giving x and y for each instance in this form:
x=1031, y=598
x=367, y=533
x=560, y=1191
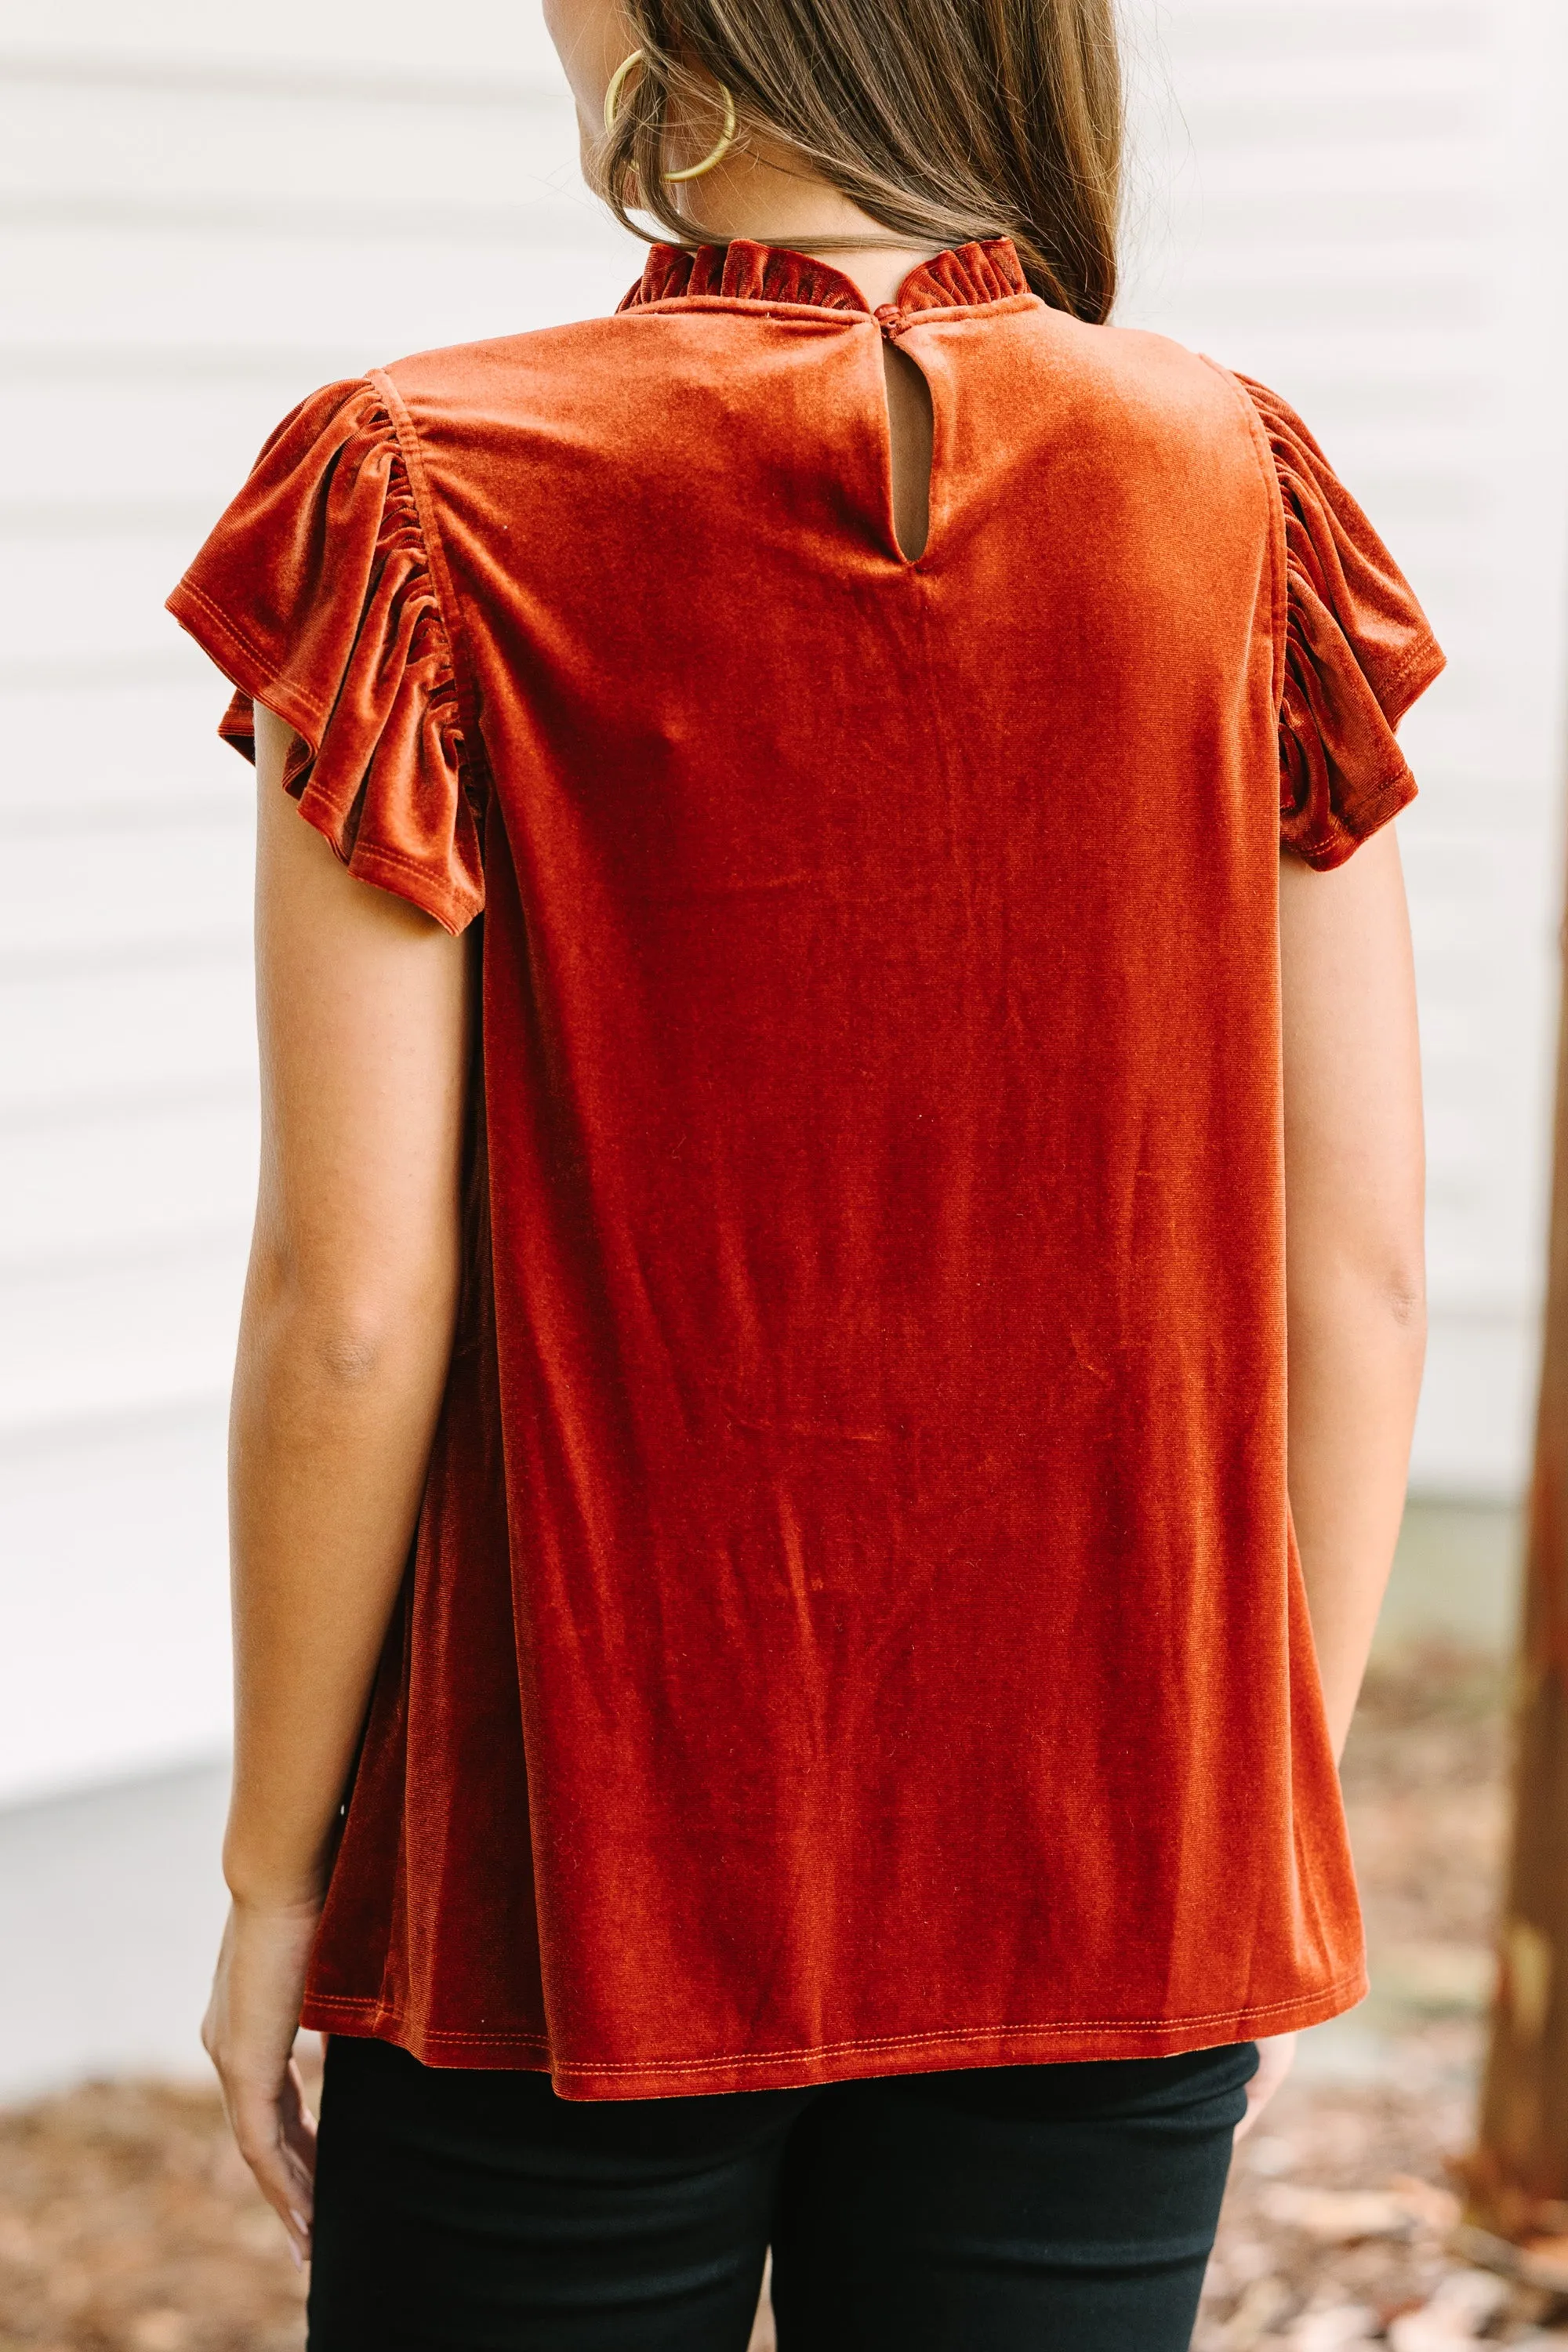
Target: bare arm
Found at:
x=344, y=1341
x=1354, y=1174
x=1355, y=1286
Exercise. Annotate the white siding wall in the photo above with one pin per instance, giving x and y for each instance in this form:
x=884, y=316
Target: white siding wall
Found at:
x=1347, y=198
x=194, y=240
x=1362, y=203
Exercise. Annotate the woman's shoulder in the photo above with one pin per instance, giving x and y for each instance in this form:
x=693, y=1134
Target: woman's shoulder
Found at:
x=1151, y=377
x=564, y=364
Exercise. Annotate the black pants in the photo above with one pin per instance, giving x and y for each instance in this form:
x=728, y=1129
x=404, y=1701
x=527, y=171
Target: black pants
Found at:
x=1061, y=2209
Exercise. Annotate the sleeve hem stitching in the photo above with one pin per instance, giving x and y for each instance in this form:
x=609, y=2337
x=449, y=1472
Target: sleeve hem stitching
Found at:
x=1371, y=815
x=243, y=665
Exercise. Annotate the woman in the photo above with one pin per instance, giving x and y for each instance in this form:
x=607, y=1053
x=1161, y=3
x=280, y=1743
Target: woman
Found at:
x=760, y=1440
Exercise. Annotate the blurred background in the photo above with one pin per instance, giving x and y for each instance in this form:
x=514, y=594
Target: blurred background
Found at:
x=209, y=213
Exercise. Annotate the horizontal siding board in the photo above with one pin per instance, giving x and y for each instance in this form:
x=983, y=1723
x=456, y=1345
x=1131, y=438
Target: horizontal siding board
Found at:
x=479, y=39
x=107, y=369
x=127, y=1331
x=1482, y=912
x=1349, y=167
x=113, y=586
x=116, y=1028
x=136, y=744
x=1477, y=1397
x=370, y=297
x=126, y=1178
x=1351, y=32
x=556, y=223
x=192, y=441
x=1439, y=272
x=79, y=144
x=1178, y=228
x=366, y=82
x=1440, y=304
x=1395, y=83
x=185, y=882
x=1291, y=355
x=114, y=1622
x=74, y=516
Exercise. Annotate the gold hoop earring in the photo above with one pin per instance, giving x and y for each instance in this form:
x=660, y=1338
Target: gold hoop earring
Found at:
x=617, y=83
x=693, y=171
x=726, y=140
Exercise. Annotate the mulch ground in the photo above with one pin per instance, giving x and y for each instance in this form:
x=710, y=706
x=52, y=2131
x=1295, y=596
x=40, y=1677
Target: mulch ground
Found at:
x=128, y=2223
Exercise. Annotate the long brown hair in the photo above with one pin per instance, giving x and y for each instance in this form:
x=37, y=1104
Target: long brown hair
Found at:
x=944, y=119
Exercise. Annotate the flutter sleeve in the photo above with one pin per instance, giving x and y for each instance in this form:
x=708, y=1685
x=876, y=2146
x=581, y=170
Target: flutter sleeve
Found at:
x=314, y=596
x=1358, y=652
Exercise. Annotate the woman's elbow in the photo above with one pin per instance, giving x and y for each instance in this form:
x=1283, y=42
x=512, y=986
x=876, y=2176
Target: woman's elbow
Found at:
x=1363, y=1295
x=1405, y=1300
x=350, y=1331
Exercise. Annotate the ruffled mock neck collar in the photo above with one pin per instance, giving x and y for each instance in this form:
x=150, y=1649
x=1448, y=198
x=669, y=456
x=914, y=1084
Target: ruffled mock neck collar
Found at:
x=742, y=271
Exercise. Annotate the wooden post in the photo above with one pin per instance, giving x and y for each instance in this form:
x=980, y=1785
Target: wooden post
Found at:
x=1517, y=2177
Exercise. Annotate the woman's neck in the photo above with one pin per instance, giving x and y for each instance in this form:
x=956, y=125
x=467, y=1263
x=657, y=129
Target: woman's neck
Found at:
x=755, y=194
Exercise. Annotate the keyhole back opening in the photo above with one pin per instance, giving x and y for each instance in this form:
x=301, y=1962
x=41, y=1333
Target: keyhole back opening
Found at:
x=910, y=430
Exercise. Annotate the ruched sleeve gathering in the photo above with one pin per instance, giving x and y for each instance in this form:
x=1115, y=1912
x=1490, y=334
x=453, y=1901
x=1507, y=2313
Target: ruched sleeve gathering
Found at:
x=1358, y=652
x=315, y=596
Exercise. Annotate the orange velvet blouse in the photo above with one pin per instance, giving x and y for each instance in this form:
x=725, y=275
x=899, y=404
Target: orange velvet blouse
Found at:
x=854, y=1624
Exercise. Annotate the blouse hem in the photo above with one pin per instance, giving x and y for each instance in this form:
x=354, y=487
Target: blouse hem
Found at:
x=943, y=2050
